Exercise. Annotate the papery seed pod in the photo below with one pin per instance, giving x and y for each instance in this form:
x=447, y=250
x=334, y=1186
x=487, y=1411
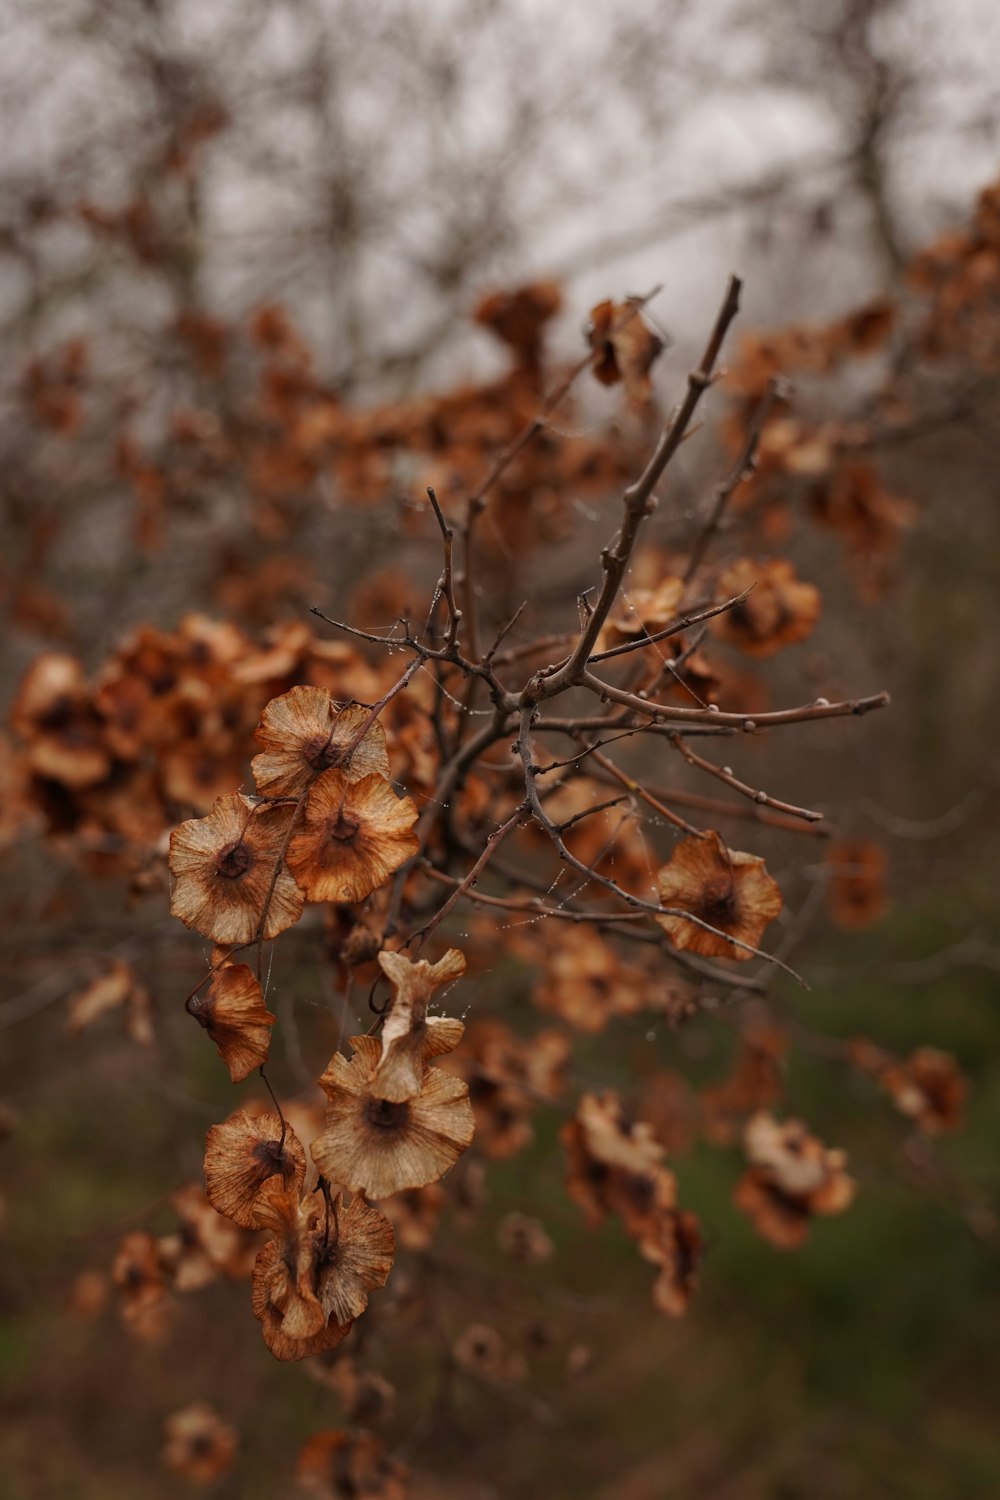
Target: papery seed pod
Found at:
x=244, y=1153
x=725, y=889
x=378, y=1146
x=224, y=868
x=352, y=837
x=305, y=732
x=235, y=1016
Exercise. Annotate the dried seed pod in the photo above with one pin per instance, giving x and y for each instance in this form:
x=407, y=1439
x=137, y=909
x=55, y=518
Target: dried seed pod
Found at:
x=792, y=1176
x=244, y=1153
x=379, y=1146
x=200, y=1446
x=306, y=732
x=778, y=611
x=224, y=867
x=725, y=889
x=236, y=1018
x=410, y=1038
x=353, y=836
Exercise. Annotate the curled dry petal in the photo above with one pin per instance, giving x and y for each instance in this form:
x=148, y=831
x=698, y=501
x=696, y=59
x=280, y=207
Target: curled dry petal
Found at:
x=378, y=1146
x=236, y=1018
x=268, y=1269
x=305, y=732
x=314, y=1278
x=116, y=989
x=353, y=836
x=626, y=348
x=727, y=890
x=677, y=1249
x=356, y=1260
x=241, y=1155
x=410, y=1038
x=224, y=868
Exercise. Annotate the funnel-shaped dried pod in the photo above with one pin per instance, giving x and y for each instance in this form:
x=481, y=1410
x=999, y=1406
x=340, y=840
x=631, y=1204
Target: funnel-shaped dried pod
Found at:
x=410, y=1038
x=225, y=869
x=305, y=732
x=236, y=1018
x=353, y=836
x=334, y=1465
x=200, y=1446
x=244, y=1153
x=779, y=611
x=725, y=889
x=792, y=1176
x=379, y=1146
x=290, y=1275
x=355, y=1259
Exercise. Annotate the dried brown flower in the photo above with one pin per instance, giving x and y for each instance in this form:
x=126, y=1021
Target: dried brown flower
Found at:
x=53, y=713
x=616, y=1166
x=349, y=1466
x=481, y=1350
x=200, y=1445
x=236, y=1018
x=780, y=610
x=224, y=867
x=379, y=1146
x=305, y=732
x=524, y=1239
x=241, y=1155
x=855, y=895
x=285, y=1296
x=792, y=1176
x=626, y=347
x=506, y=1075
x=519, y=317
x=586, y=982
x=353, y=836
x=728, y=890
x=146, y=1305
x=928, y=1086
